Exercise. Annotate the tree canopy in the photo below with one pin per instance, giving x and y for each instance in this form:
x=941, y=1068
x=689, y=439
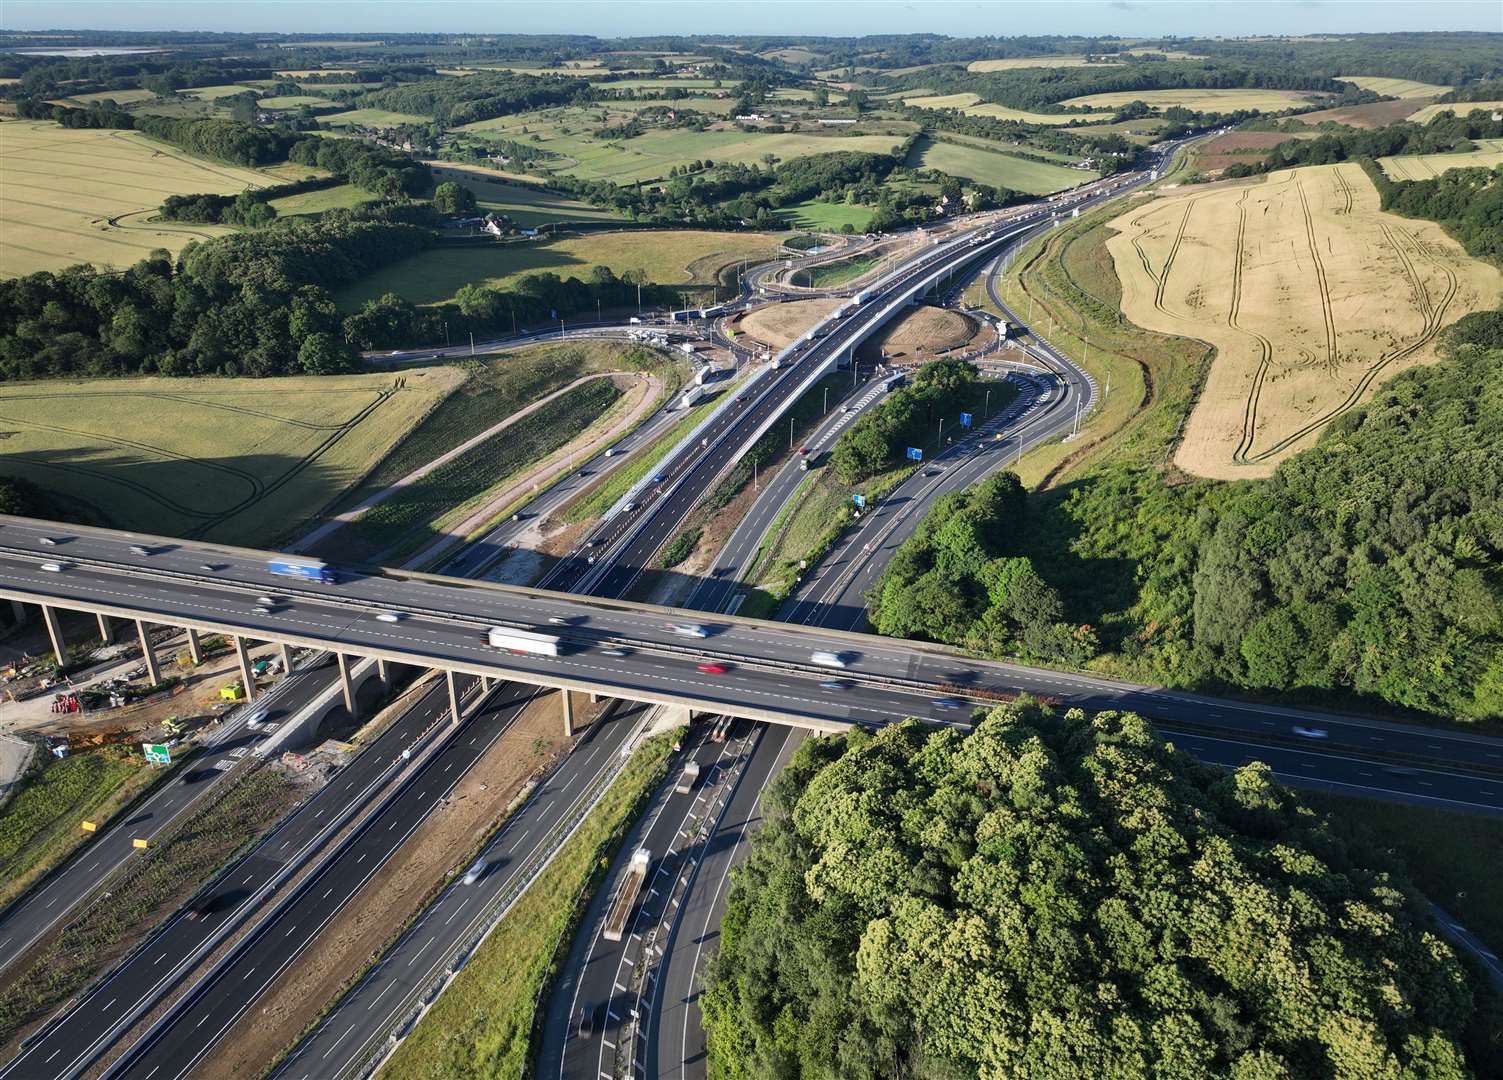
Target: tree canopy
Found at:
x=1065, y=897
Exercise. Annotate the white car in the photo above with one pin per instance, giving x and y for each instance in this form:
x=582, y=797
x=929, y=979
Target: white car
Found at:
x=390, y=616
x=1311, y=732
x=52, y=567
x=474, y=873
x=689, y=630
x=828, y=659
x=48, y=541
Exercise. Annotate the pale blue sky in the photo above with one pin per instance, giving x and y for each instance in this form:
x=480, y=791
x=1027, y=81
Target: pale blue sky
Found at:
x=959, y=18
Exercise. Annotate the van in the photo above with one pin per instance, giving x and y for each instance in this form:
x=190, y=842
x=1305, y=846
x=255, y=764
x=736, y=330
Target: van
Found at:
x=612, y=452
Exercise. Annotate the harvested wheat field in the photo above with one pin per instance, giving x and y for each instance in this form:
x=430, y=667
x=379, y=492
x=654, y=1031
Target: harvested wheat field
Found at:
x=1317, y=298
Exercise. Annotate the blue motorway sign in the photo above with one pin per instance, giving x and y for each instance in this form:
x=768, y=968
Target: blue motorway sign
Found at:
x=965, y=419
x=860, y=501
x=915, y=454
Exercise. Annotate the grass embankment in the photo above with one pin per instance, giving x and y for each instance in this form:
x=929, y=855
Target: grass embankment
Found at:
x=831, y=216
x=411, y=517
x=42, y=823
x=484, y=1023
x=1453, y=857
x=240, y=460
x=600, y=498
x=1066, y=284
x=149, y=889
x=990, y=164
x=834, y=274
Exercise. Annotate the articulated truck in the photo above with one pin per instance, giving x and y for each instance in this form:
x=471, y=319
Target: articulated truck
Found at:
x=523, y=641
x=307, y=569
x=625, y=900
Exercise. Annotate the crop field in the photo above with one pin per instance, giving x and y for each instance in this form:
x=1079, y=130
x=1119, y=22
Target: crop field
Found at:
x=119, y=97
x=227, y=459
x=1399, y=88
x=1311, y=295
x=972, y=105
x=1200, y=100
x=70, y=195
x=990, y=167
x=213, y=93
x=1460, y=108
x=1375, y=115
x=671, y=257
x=1063, y=60
x=526, y=206
x=1489, y=154
x=1239, y=147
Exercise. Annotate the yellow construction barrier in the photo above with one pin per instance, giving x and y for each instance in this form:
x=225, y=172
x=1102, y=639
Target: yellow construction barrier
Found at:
x=89, y=826
x=139, y=842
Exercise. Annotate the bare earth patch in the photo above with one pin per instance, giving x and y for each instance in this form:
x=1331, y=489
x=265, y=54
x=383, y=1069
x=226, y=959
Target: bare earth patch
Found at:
x=775, y=326
x=923, y=333
x=1311, y=295
x=395, y=894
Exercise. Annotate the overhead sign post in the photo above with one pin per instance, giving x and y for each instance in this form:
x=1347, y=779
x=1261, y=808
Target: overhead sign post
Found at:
x=965, y=419
x=157, y=753
x=915, y=454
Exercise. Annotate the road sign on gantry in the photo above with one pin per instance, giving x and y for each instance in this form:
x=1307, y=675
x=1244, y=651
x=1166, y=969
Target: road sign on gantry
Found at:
x=157, y=753
x=915, y=454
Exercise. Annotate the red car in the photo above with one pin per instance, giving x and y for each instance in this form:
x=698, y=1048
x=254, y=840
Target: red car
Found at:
x=803, y=449
x=712, y=669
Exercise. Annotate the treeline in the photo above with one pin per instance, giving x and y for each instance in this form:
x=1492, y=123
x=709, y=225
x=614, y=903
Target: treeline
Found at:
x=250, y=209
x=1447, y=133
x=366, y=165
x=879, y=440
x=1484, y=90
x=961, y=578
x=1447, y=58
x=481, y=96
x=1370, y=564
x=1468, y=203
x=393, y=321
x=161, y=73
x=255, y=303
x=1069, y=896
x=1041, y=89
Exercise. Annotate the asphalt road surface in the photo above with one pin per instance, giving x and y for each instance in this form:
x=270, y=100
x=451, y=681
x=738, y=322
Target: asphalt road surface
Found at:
x=78, y=1034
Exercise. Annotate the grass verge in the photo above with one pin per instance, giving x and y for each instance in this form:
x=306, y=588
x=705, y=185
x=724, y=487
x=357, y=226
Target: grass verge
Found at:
x=486, y=1021
x=149, y=890
x=832, y=274
x=410, y=517
x=603, y=496
x=40, y=826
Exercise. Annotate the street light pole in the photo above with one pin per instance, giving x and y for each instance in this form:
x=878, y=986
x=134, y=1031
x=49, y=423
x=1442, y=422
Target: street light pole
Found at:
x=472, y=343
x=825, y=407
x=790, y=433
x=987, y=408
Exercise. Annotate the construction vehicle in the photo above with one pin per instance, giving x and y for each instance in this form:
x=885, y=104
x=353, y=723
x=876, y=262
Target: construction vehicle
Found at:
x=625, y=900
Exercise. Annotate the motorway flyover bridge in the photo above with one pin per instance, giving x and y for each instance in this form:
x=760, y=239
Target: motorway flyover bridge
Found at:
x=620, y=649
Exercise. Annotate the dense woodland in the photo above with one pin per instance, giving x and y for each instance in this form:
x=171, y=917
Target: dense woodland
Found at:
x=1370, y=564
x=879, y=439
x=1063, y=897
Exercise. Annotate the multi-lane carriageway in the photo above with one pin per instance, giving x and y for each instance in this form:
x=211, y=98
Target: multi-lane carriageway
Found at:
x=631, y=651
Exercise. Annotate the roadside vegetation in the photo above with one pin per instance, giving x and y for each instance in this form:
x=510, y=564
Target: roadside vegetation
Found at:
x=1077, y=875
x=150, y=888
x=486, y=1021
x=41, y=823
x=832, y=275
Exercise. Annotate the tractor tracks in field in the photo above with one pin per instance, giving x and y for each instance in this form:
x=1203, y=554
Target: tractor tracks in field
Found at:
x=1265, y=347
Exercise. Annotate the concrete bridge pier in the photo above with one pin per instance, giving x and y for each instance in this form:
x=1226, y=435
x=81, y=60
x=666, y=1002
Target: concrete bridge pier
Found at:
x=153, y=670
x=54, y=631
x=106, y=632
x=350, y=705
x=18, y=609
x=286, y=659
x=247, y=676
x=381, y=672
x=453, y=696
x=195, y=647
x=563, y=696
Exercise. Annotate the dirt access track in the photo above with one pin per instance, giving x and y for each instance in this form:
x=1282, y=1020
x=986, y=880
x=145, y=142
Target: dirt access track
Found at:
x=1311, y=295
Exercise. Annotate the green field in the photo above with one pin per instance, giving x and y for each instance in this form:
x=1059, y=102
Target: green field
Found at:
x=669, y=257
x=826, y=216
x=1399, y=88
x=213, y=93
x=373, y=118
x=1460, y=108
x=989, y=167
x=566, y=132
x=1489, y=154
x=1200, y=100
x=119, y=97
x=834, y=274
x=316, y=202
x=526, y=206
x=292, y=101
x=70, y=195
x=242, y=460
